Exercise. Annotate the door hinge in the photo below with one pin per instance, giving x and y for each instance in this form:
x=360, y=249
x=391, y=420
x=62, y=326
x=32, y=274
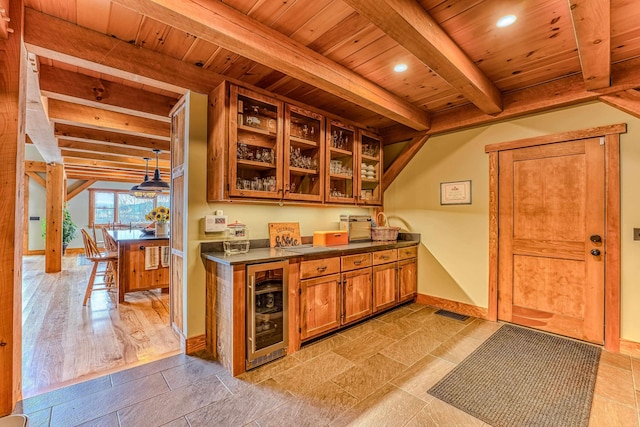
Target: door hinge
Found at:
x=299, y=330
x=602, y=140
x=299, y=291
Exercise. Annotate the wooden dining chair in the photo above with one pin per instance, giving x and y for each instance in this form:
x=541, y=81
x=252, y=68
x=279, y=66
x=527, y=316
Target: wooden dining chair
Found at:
x=110, y=243
x=110, y=272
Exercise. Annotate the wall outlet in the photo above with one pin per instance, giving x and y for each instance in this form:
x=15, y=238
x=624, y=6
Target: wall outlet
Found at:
x=636, y=234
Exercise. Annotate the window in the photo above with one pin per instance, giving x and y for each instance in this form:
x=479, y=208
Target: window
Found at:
x=118, y=206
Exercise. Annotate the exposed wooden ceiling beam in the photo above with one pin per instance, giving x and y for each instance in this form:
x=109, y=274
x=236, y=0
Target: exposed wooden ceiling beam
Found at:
x=627, y=101
x=226, y=27
x=101, y=148
x=76, y=133
x=403, y=160
x=37, y=178
x=592, y=28
x=98, y=166
x=79, y=187
x=70, y=113
x=558, y=93
x=37, y=125
x=56, y=83
x=119, y=160
x=413, y=28
x=35, y=166
x=86, y=174
x=58, y=39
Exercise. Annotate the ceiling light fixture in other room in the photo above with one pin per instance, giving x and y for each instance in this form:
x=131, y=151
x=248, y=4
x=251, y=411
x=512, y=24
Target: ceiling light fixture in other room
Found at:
x=156, y=183
x=136, y=191
x=505, y=21
x=399, y=68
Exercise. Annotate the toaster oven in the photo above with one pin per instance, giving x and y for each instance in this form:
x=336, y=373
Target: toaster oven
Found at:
x=357, y=226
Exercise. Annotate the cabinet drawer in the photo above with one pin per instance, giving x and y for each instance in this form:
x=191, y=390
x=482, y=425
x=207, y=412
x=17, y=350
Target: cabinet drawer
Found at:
x=406, y=253
x=319, y=267
x=351, y=262
x=382, y=257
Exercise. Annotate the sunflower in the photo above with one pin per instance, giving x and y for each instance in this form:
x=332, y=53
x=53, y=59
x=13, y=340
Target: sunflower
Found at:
x=159, y=214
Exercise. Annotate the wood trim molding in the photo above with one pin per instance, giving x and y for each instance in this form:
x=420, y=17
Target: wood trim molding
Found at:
x=492, y=313
x=195, y=344
x=630, y=348
x=611, y=135
x=455, y=306
x=612, y=243
x=558, y=137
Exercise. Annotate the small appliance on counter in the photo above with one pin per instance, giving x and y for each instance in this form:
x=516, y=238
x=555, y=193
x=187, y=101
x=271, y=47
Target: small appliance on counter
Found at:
x=237, y=240
x=330, y=238
x=358, y=227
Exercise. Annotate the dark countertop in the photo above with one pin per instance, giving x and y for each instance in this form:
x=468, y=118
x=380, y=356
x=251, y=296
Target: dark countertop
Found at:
x=306, y=251
x=128, y=235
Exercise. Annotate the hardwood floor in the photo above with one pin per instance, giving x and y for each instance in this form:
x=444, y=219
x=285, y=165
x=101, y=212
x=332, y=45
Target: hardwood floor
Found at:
x=65, y=342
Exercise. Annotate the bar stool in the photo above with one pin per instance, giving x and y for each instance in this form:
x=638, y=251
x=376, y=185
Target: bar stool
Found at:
x=109, y=274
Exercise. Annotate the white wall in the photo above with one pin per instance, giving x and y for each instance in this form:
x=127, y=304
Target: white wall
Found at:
x=453, y=257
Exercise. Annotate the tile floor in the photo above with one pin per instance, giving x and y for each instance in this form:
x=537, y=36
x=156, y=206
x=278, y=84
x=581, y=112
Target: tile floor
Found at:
x=374, y=374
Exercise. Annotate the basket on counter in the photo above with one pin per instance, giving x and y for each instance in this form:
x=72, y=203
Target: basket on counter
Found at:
x=383, y=232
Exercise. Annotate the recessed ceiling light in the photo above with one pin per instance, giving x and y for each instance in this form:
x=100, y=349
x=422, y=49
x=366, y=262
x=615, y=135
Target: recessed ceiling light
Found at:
x=505, y=21
x=399, y=68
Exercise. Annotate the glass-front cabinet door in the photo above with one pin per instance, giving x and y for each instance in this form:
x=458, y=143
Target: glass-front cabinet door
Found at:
x=370, y=169
x=255, y=145
x=340, y=162
x=303, y=154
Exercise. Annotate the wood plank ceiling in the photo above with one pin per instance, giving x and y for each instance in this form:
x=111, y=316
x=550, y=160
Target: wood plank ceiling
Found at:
x=110, y=71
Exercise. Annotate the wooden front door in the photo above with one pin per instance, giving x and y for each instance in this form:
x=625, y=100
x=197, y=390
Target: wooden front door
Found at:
x=551, y=238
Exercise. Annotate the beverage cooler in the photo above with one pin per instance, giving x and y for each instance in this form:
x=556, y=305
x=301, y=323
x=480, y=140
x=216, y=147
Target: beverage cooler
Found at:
x=267, y=312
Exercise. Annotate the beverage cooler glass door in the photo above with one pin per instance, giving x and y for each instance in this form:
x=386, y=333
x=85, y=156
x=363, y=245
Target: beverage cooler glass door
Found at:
x=267, y=312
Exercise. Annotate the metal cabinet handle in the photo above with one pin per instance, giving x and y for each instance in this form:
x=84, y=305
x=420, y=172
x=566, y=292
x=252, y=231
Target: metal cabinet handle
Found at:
x=321, y=269
x=357, y=262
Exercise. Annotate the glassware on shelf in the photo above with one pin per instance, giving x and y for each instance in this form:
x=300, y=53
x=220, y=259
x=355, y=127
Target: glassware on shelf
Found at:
x=369, y=150
x=264, y=155
x=257, y=184
x=299, y=160
x=336, y=167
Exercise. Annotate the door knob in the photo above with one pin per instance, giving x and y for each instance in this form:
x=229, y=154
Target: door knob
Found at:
x=595, y=238
x=595, y=252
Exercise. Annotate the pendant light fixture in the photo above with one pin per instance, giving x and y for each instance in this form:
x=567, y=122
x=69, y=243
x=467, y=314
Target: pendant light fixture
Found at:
x=155, y=184
x=136, y=191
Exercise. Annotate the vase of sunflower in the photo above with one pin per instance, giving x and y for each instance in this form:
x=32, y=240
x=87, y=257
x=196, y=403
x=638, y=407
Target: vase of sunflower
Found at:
x=159, y=215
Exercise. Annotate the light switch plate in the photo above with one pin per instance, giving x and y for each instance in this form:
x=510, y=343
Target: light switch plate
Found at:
x=636, y=234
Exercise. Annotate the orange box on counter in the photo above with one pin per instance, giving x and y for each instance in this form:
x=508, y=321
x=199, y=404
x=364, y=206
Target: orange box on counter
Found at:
x=330, y=238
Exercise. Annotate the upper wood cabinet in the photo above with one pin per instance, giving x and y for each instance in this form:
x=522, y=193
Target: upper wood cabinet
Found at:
x=262, y=148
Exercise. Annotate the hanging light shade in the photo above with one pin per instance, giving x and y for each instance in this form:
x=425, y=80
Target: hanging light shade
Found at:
x=156, y=183
x=136, y=191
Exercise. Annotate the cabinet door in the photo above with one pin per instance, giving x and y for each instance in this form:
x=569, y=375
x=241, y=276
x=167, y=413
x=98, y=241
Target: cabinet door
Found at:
x=255, y=145
x=408, y=280
x=303, y=154
x=138, y=278
x=356, y=296
x=385, y=286
x=369, y=175
x=319, y=305
x=340, y=163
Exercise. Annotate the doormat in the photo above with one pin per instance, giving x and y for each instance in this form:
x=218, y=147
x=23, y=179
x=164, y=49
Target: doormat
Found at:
x=452, y=315
x=520, y=377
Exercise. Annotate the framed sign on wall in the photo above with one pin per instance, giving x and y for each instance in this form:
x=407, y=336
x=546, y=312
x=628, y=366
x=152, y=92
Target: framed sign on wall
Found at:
x=455, y=193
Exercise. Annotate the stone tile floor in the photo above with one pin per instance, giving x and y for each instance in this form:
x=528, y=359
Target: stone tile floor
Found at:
x=374, y=374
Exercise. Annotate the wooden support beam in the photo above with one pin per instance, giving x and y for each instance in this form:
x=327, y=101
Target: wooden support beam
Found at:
x=69, y=113
x=109, y=149
x=164, y=165
x=77, y=133
x=544, y=97
x=398, y=133
x=414, y=29
x=12, y=140
x=96, y=165
x=116, y=176
x=34, y=166
x=38, y=126
x=64, y=85
x=226, y=27
x=626, y=100
x=78, y=188
x=592, y=28
x=37, y=178
x=402, y=160
x=55, y=203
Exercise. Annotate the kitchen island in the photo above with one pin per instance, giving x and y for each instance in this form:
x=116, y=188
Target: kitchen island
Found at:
x=143, y=264
x=328, y=288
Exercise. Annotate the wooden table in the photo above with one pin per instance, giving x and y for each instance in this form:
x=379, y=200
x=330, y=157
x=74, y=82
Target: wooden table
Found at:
x=132, y=274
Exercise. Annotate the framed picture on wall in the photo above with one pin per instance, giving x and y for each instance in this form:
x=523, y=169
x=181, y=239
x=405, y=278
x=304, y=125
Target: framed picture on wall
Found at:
x=455, y=193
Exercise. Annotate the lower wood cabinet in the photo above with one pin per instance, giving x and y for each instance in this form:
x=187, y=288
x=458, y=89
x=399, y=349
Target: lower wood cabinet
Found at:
x=320, y=306
x=341, y=290
x=356, y=296
x=132, y=274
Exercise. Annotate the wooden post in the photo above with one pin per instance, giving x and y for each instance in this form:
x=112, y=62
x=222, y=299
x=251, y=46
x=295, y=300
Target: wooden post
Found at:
x=13, y=58
x=55, y=202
